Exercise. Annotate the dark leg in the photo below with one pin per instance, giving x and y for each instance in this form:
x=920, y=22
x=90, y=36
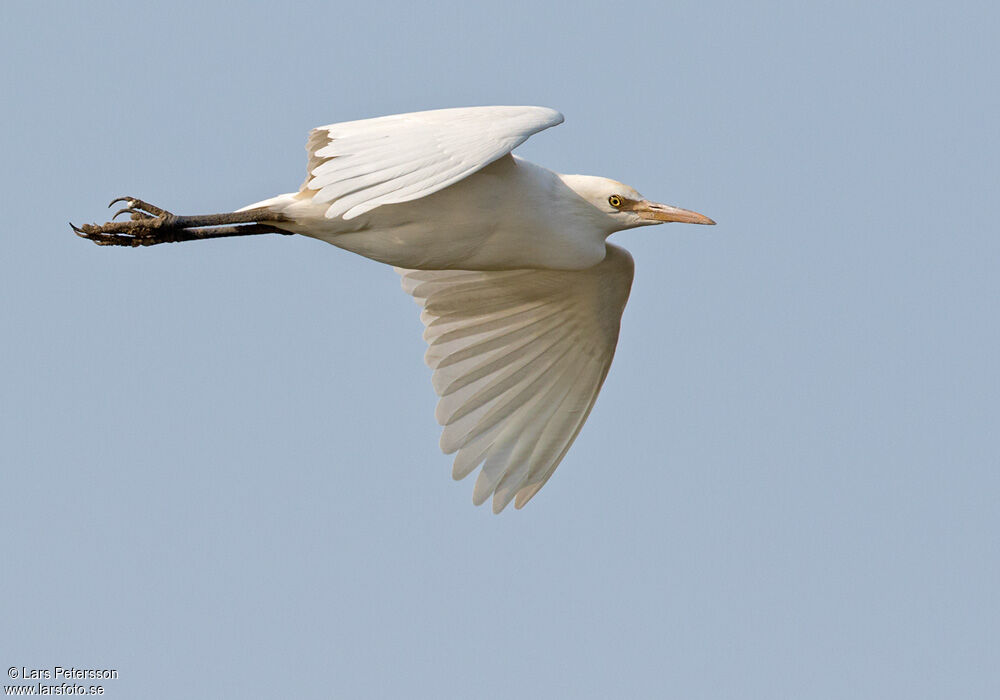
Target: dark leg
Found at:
x=150, y=225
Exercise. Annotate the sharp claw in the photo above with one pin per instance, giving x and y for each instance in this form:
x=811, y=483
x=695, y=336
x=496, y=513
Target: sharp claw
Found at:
x=147, y=210
x=93, y=233
x=136, y=214
x=90, y=235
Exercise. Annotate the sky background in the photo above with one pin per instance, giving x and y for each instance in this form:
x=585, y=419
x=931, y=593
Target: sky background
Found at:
x=220, y=464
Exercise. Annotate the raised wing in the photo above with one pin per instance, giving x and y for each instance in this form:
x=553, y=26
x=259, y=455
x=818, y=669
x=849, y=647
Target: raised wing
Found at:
x=518, y=358
x=360, y=165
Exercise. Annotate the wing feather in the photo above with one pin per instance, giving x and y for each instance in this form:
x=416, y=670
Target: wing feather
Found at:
x=360, y=165
x=521, y=463
x=518, y=358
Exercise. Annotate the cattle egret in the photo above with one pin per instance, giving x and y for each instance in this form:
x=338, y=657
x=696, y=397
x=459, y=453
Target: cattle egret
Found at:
x=522, y=296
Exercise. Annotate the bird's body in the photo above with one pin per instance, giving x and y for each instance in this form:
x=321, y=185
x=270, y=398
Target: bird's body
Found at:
x=522, y=296
x=469, y=225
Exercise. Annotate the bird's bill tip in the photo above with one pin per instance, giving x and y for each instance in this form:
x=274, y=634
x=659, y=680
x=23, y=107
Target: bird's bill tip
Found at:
x=665, y=212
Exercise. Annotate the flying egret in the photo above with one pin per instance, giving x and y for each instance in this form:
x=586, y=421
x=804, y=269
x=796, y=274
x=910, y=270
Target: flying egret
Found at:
x=522, y=296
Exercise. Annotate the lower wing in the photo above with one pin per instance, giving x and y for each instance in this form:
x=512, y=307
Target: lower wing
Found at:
x=518, y=358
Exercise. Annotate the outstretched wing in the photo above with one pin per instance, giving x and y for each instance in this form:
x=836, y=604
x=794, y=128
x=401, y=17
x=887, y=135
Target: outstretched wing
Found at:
x=518, y=358
x=360, y=165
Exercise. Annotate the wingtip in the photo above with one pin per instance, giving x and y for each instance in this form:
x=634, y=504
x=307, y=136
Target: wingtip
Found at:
x=526, y=494
x=501, y=502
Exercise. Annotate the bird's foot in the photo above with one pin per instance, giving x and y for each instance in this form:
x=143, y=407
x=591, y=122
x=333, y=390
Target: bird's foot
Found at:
x=147, y=225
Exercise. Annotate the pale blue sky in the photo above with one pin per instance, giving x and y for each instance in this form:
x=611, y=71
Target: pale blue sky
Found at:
x=221, y=472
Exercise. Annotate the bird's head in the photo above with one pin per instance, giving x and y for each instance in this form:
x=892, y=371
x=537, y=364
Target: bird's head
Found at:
x=622, y=207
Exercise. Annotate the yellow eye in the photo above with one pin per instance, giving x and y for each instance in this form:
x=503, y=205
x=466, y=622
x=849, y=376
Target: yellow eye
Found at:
x=615, y=201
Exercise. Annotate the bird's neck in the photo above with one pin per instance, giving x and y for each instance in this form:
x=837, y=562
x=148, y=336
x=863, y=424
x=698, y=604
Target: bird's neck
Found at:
x=552, y=196
x=577, y=194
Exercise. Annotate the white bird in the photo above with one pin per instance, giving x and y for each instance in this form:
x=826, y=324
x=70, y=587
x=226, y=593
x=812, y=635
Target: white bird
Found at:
x=522, y=296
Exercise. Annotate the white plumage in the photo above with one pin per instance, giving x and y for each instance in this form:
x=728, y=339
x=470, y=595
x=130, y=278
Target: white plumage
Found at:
x=518, y=359
x=522, y=296
x=402, y=157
